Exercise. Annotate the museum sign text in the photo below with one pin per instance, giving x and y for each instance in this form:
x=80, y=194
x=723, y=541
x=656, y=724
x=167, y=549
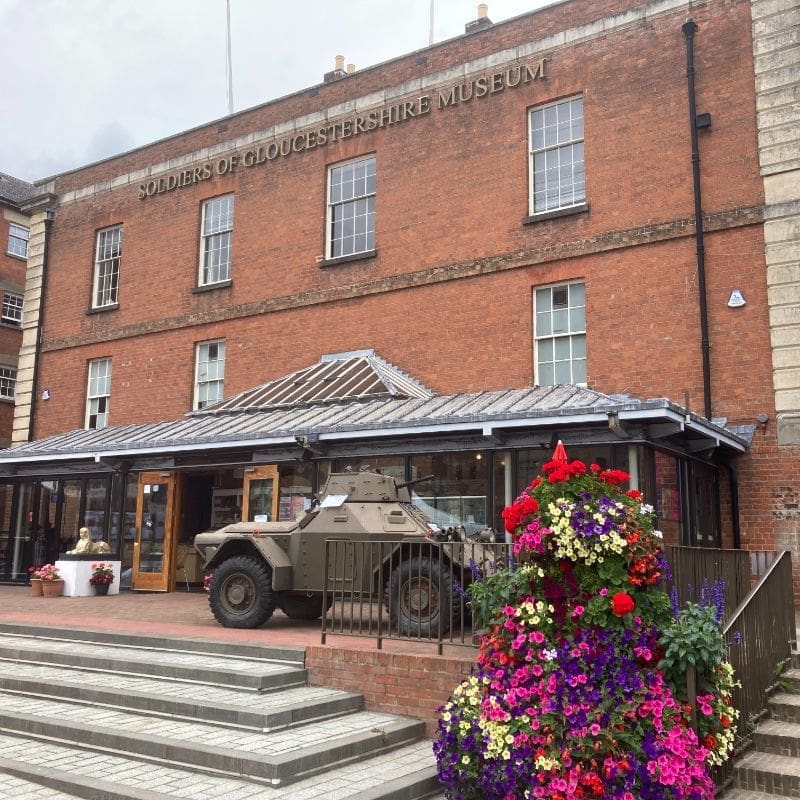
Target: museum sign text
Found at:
x=477, y=88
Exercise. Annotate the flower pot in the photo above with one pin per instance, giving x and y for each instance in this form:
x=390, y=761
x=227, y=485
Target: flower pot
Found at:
x=36, y=587
x=101, y=588
x=52, y=588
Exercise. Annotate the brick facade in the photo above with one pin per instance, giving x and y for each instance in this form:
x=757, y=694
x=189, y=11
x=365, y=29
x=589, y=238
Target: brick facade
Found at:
x=448, y=294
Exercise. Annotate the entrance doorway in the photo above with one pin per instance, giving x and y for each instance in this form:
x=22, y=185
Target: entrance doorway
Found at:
x=154, y=545
x=260, y=496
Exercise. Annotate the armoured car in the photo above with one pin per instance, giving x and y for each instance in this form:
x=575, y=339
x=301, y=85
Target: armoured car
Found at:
x=386, y=548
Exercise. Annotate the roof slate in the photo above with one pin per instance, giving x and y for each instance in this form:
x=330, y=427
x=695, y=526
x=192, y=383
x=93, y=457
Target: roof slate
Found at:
x=15, y=191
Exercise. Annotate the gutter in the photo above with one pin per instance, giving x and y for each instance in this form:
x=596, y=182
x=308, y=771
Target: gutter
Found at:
x=704, y=120
x=48, y=224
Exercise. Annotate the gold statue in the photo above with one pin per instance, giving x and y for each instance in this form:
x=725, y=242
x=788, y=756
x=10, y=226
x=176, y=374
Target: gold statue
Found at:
x=86, y=545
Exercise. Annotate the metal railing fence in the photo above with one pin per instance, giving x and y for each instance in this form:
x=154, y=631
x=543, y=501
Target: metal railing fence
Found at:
x=391, y=589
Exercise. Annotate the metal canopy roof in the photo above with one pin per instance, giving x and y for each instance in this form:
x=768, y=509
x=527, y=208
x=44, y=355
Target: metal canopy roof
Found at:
x=242, y=421
x=358, y=375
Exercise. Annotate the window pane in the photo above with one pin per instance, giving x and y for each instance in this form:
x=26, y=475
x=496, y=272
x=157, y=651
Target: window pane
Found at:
x=579, y=370
x=546, y=375
x=546, y=350
x=352, y=210
x=563, y=372
x=562, y=348
x=560, y=321
x=544, y=324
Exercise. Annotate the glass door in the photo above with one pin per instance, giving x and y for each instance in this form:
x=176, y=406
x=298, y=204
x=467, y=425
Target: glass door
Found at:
x=260, y=494
x=154, y=545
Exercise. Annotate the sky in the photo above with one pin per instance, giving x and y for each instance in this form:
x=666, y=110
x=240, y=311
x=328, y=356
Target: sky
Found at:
x=86, y=79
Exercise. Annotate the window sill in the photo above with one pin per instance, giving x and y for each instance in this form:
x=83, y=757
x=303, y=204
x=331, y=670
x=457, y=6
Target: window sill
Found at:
x=17, y=326
x=332, y=262
x=102, y=309
x=17, y=256
x=581, y=208
x=9, y=400
x=210, y=287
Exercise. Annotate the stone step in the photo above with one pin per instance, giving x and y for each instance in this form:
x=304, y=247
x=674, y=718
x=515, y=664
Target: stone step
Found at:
x=785, y=707
x=276, y=757
x=294, y=656
x=768, y=773
x=200, y=667
x=264, y=711
x=14, y=788
x=778, y=736
x=406, y=773
x=791, y=679
x=747, y=794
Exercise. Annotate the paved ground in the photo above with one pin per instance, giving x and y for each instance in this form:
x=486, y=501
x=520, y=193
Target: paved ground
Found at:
x=182, y=614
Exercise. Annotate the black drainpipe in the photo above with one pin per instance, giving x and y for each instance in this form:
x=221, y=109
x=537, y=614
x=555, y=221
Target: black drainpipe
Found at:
x=704, y=121
x=48, y=223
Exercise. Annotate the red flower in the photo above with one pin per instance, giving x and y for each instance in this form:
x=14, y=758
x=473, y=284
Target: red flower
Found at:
x=710, y=741
x=725, y=721
x=614, y=476
x=622, y=604
x=634, y=494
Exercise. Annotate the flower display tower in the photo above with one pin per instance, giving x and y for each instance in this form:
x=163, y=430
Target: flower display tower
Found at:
x=568, y=698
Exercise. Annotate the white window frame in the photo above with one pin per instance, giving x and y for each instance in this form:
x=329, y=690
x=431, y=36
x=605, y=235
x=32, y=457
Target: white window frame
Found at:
x=8, y=383
x=107, y=261
x=351, y=199
x=209, y=374
x=559, y=339
x=98, y=394
x=18, y=238
x=12, y=308
x=556, y=169
x=216, y=240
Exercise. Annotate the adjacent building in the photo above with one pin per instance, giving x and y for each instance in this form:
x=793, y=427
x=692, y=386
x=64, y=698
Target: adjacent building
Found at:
x=555, y=227
x=14, y=236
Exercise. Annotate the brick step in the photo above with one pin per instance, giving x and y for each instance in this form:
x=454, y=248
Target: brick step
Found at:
x=294, y=656
x=768, y=773
x=406, y=773
x=779, y=737
x=791, y=679
x=785, y=707
x=277, y=757
x=747, y=794
x=200, y=667
x=263, y=711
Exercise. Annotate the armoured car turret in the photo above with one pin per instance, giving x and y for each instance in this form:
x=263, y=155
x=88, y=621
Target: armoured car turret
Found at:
x=260, y=566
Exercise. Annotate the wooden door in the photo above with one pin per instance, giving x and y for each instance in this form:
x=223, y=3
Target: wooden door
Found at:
x=154, y=545
x=260, y=494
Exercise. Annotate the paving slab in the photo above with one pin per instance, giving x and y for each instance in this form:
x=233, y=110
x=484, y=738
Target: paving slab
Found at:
x=242, y=707
x=137, y=779
x=198, y=667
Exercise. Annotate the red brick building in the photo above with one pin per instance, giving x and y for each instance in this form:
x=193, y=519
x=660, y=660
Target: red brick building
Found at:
x=14, y=234
x=515, y=207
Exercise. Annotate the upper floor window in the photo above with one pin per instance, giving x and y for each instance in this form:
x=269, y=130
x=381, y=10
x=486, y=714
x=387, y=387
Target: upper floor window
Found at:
x=98, y=394
x=560, y=334
x=351, y=208
x=12, y=308
x=209, y=381
x=557, y=176
x=106, y=267
x=215, y=241
x=18, y=240
x=8, y=383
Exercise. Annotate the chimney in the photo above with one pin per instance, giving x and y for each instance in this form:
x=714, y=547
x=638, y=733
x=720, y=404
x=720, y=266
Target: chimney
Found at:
x=337, y=72
x=482, y=22
x=351, y=69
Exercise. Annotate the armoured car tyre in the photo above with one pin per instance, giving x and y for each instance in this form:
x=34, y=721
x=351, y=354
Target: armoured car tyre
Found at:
x=303, y=606
x=418, y=608
x=241, y=592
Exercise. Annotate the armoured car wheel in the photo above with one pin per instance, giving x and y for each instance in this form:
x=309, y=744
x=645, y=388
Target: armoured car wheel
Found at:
x=303, y=606
x=241, y=592
x=418, y=606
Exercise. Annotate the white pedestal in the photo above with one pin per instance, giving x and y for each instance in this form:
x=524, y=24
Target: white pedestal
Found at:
x=76, y=576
